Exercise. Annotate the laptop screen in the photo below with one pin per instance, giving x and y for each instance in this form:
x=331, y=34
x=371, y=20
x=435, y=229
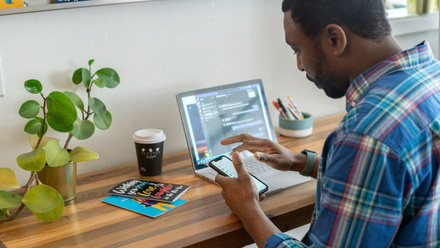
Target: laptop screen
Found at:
x=212, y=114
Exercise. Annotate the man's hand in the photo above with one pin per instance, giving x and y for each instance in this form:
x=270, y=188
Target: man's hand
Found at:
x=239, y=193
x=242, y=198
x=266, y=151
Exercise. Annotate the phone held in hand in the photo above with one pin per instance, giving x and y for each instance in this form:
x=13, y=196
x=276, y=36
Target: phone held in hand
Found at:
x=224, y=166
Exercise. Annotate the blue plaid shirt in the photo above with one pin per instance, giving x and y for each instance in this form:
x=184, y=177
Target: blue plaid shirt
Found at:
x=378, y=181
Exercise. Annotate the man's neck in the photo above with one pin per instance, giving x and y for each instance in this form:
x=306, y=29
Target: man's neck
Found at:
x=367, y=53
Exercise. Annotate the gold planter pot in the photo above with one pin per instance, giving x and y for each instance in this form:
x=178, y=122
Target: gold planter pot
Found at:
x=62, y=179
x=419, y=6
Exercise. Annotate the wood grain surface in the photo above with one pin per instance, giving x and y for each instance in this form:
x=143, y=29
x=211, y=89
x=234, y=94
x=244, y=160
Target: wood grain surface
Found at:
x=204, y=221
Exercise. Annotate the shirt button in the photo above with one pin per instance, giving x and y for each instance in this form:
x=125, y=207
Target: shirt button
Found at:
x=353, y=104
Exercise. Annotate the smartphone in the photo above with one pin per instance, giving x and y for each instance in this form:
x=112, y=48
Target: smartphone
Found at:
x=224, y=166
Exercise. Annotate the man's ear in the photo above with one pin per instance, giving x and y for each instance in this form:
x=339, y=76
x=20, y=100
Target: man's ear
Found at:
x=335, y=39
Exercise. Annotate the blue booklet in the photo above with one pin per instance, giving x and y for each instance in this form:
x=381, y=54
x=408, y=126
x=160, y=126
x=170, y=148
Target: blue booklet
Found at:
x=143, y=206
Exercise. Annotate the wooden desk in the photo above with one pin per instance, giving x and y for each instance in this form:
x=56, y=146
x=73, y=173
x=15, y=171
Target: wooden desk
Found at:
x=204, y=221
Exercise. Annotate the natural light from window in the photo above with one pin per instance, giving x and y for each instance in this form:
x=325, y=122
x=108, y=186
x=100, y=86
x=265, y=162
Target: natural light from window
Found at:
x=399, y=8
x=395, y=4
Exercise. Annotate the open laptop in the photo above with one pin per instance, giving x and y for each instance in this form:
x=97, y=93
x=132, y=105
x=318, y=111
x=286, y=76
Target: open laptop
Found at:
x=213, y=114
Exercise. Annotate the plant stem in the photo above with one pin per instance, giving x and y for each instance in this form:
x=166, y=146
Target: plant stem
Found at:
x=29, y=183
x=68, y=140
x=37, y=180
x=43, y=128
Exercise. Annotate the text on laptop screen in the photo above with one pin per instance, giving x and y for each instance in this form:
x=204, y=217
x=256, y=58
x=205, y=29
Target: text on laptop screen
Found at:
x=213, y=116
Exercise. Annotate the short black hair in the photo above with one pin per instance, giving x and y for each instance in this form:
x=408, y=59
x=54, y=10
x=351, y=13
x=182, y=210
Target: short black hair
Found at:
x=365, y=18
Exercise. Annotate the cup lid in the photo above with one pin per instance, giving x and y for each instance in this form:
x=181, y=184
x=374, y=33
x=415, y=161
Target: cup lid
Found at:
x=149, y=136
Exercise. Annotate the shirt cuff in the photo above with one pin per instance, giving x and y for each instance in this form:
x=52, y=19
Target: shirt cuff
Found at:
x=279, y=240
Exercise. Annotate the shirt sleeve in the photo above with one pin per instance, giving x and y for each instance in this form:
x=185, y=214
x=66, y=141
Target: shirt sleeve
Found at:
x=359, y=201
x=281, y=240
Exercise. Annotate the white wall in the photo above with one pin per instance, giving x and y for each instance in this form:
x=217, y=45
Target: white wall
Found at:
x=159, y=48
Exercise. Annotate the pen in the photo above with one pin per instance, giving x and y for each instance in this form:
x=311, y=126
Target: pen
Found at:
x=287, y=113
x=295, y=108
x=275, y=104
x=294, y=111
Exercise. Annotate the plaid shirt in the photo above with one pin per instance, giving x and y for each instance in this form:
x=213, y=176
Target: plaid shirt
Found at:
x=379, y=180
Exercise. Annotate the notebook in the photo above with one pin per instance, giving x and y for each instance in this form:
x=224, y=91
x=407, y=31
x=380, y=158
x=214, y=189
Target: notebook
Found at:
x=212, y=114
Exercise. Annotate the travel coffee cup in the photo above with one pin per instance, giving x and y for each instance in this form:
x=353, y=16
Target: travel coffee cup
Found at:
x=149, y=151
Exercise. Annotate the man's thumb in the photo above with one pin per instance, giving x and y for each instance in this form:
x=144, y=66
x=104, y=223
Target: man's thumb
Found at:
x=238, y=164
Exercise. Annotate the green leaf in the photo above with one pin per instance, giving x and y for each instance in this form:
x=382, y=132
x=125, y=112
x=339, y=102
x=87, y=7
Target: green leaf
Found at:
x=77, y=76
x=33, y=126
x=51, y=215
x=3, y=213
x=91, y=62
x=32, y=161
x=58, y=126
x=7, y=179
x=29, y=109
x=61, y=112
x=104, y=121
x=9, y=200
x=86, y=77
x=45, y=202
x=97, y=106
x=99, y=82
x=81, y=154
x=33, y=86
x=83, y=129
x=77, y=101
x=55, y=155
x=109, y=76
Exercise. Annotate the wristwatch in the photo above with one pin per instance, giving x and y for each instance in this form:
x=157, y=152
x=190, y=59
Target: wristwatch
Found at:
x=310, y=163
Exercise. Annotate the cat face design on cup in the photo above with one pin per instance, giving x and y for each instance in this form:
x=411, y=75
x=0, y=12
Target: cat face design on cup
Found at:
x=150, y=154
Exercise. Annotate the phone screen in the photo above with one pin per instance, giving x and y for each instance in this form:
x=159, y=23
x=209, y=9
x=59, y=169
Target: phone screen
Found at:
x=224, y=166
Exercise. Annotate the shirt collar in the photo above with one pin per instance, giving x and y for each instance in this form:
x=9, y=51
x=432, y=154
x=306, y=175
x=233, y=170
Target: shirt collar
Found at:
x=403, y=60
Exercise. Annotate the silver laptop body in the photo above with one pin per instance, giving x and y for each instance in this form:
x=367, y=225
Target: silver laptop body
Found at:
x=212, y=114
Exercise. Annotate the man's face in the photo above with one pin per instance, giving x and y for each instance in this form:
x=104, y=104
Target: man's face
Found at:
x=312, y=59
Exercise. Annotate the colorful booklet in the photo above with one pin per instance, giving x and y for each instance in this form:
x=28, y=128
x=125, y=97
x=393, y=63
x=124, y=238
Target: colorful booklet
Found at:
x=143, y=206
x=11, y=4
x=155, y=191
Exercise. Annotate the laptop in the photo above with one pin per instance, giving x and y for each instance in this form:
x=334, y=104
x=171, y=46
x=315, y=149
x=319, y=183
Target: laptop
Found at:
x=212, y=114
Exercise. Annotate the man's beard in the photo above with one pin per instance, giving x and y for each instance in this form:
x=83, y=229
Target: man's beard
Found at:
x=332, y=87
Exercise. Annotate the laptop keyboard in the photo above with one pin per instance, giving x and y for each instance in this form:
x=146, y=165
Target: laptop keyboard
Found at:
x=256, y=168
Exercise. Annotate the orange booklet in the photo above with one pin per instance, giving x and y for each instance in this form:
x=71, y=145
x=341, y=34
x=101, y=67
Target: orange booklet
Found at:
x=11, y=4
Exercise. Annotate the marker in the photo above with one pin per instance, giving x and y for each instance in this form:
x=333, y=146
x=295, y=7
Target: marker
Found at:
x=286, y=112
x=295, y=108
x=275, y=104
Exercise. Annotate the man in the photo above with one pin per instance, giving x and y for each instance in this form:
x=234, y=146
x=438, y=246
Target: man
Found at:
x=378, y=178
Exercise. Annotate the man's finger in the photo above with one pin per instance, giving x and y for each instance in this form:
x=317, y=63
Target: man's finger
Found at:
x=258, y=145
x=238, y=138
x=238, y=164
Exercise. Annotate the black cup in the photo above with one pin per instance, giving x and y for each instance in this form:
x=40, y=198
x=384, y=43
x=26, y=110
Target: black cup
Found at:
x=149, y=151
x=149, y=158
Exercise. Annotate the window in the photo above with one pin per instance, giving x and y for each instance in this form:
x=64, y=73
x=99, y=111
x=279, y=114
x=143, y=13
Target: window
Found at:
x=395, y=4
x=404, y=8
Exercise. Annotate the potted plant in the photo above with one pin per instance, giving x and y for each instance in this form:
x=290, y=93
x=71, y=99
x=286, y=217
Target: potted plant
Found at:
x=51, y=165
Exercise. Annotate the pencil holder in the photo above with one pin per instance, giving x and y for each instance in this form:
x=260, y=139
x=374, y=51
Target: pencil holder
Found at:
x=296, y=128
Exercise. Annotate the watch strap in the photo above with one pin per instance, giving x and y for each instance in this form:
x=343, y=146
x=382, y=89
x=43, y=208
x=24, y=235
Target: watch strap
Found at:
x=310, y=162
